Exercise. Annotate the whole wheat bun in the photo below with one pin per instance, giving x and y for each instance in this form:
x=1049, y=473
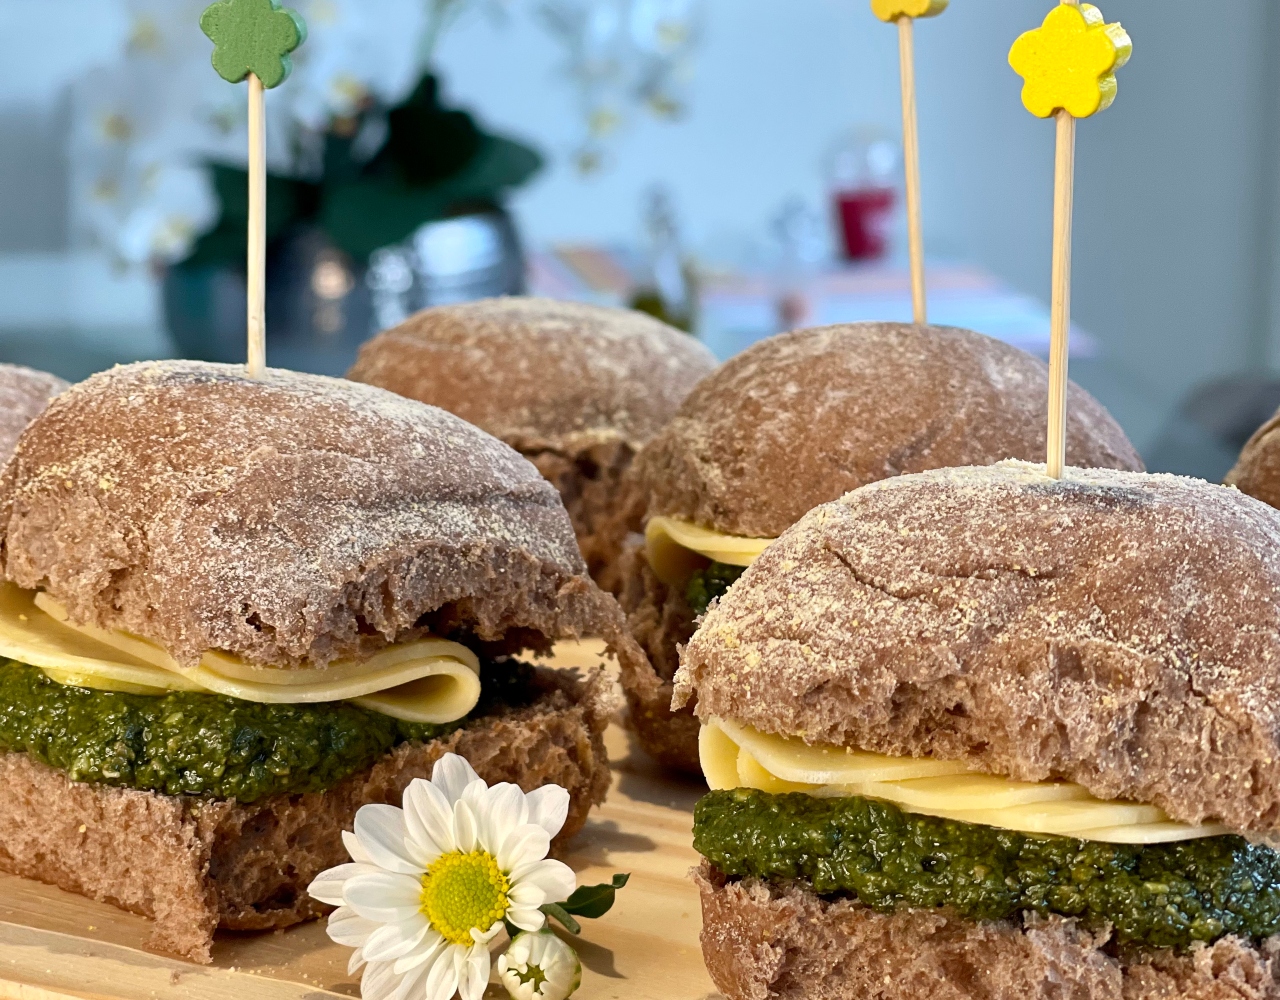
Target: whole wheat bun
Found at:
x=770, y=942
x=576, y=388
x=24, y=393
x=803, y=418
x=1116, y=629
x=294, y=520
x=210, y=864
x=1257, y=470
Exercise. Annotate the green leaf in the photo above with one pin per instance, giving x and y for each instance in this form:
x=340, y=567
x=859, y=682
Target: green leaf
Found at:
x=363, y=215
x=557, y=911
x=253, y=36
x=592, y=901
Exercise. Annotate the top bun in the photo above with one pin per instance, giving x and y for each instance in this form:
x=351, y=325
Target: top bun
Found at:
x=294, y=520
x=800, y=419
x=1257, y=470
x=24, y=393
x=1120, y=630
x=540, y=374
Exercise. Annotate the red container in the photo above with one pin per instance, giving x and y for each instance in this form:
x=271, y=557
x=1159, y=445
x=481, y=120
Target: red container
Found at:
x=865, y=219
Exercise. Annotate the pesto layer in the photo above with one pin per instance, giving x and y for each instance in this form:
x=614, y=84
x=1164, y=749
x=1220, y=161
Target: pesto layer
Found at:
x=1159, y=895
x=210, y=745
x=709, y=583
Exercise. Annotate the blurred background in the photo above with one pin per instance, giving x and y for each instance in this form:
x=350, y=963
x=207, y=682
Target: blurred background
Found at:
x=732, y=165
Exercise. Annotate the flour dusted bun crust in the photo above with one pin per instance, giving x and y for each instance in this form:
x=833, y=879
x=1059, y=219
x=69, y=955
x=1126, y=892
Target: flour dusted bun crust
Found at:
x=24, y=393
x=1257, y=470
x=1114, y=629
x=800, y=419
x=290, y=522
x=576, y=388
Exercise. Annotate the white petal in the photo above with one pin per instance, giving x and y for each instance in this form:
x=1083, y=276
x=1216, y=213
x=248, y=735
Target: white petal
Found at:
x=356, y=962
x=503, y=812
x=432, y=945
x=346, y=927
x=382, y=834
x=464, y=828
x=392, y=941
x=327, y=886
x=524, y=846
x=452, y=774
x=527, y=918
x=352, y=843
x=548, y=807
x=554, y=878
x=428, y=818
x=484, y=937
x=411, y=984
x=475, y=974
x=378, y=982
x=442, y=980
x=384, y=897
x=526, y=894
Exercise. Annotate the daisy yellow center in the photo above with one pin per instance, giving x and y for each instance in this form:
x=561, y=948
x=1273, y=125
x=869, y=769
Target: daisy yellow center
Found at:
x=464, y=892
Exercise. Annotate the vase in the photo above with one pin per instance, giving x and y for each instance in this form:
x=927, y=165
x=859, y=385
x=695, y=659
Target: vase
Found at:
x=322, y=305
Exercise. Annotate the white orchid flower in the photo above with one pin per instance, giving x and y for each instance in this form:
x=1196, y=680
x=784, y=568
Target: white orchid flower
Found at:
x=429, y=885
x=539, y=966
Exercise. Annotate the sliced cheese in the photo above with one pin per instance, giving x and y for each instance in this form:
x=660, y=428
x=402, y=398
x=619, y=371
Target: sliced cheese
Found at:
x=676, y=549
x=431, y=680
x=738, y=756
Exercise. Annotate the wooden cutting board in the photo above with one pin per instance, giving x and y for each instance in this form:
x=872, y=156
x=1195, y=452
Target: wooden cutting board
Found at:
x=56, y=945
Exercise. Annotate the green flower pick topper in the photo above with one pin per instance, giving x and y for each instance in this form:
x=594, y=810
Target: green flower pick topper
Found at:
x=253, y=36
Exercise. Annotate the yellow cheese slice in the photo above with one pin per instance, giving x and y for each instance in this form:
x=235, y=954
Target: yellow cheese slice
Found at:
x=432, y=680
x=735, y=756
x=676, y=549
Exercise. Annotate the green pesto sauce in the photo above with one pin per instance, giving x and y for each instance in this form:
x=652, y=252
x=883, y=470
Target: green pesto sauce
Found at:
x=708, y=584
x=1159, y=895
x=210, y=745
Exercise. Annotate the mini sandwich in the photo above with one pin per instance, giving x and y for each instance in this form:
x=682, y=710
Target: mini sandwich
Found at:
x=1257, y=471
x=235, y=611
x=976, y=733
x=577, y=389
x=24, y=393
x=800, y=420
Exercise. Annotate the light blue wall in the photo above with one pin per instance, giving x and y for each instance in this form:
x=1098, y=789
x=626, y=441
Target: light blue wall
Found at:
x=1175, y=223
x=1173, y=268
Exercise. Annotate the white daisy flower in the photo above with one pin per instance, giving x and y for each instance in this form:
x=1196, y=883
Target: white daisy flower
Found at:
x=539, y=967
x=429, y=885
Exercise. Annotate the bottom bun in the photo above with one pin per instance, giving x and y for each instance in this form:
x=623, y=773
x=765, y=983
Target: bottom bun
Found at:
x=762, y=941
x=194, y=865
x=661, y=621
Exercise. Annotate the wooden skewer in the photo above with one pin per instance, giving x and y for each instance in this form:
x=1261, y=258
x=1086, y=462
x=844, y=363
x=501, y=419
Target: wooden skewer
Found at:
x=1060, y=307
x=911, y=161
x=1063, y=203
x=257, y=262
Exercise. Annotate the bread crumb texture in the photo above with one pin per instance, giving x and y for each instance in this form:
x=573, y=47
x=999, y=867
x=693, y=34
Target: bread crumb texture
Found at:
x=764, y=942
x=800, y=419
x=1117, y=629
x=540, y=374
x=298, y=519
x=211, y=864
x=24, y=393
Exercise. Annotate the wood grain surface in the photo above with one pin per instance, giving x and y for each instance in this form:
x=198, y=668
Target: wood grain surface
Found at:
x=56, y=945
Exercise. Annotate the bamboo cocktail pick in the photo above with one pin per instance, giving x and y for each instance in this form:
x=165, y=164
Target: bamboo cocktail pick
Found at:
x=904, y=12
x=1068, y=66
x=253, y=39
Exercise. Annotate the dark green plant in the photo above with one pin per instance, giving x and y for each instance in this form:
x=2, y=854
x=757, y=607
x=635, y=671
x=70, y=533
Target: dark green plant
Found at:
x=435, y=162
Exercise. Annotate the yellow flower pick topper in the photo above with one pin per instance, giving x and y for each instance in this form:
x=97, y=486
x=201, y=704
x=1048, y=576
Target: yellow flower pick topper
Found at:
x=891, y=10
x=1069, y=63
